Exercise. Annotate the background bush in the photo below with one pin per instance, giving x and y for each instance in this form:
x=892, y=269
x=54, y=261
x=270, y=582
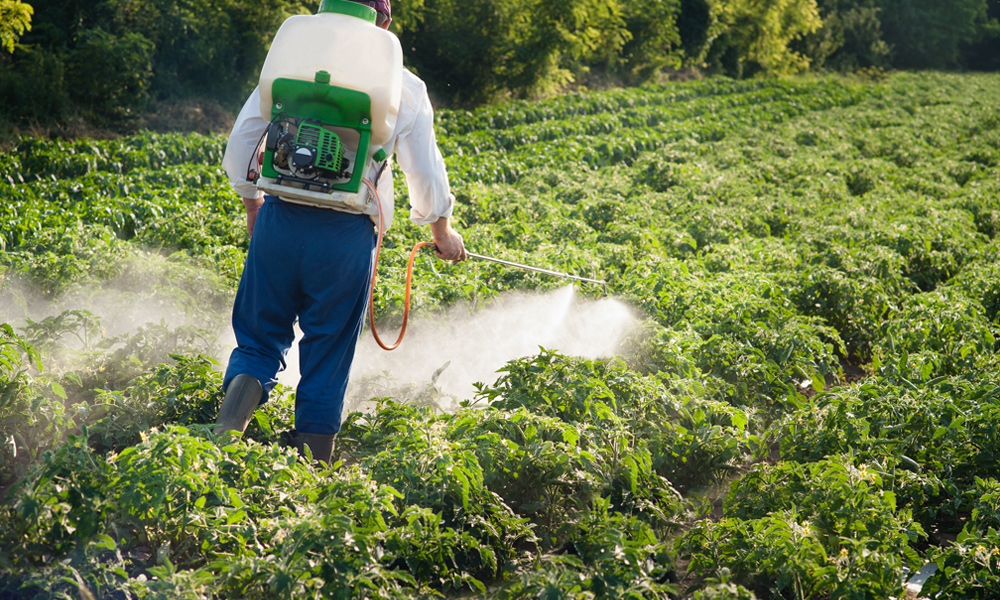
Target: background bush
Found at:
x=109, y=60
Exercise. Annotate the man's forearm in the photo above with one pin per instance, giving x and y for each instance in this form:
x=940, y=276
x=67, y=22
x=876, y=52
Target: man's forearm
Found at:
x=440, y=227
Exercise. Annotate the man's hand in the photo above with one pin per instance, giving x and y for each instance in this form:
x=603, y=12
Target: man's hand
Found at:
x=252, y=205
x=448, y=244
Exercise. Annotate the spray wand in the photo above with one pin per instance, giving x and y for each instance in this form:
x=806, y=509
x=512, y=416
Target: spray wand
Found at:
x=539, y=270
x=409, y=274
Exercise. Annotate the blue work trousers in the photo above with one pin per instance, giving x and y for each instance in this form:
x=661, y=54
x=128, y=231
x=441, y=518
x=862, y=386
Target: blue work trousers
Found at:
x=313, y=264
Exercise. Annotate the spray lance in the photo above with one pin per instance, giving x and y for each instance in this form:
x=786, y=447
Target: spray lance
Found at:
x=409, y=275
x=540, y=270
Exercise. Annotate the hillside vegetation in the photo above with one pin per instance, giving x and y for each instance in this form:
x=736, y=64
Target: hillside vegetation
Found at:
x=122, y=65
x=810, y=408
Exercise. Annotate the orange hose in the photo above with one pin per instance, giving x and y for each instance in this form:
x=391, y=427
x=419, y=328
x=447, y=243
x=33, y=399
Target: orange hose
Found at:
x=409, y=276
x=406, y=301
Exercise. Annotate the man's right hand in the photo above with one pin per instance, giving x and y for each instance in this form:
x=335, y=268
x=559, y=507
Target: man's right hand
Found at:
x=252, y=205
x=448, y=244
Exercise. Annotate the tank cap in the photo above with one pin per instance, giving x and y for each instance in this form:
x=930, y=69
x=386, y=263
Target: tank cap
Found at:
x=345, y=7
x=323, y=77
x=381, y=155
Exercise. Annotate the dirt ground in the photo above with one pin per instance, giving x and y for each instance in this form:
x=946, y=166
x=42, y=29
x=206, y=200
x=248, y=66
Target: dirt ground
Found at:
x=186, y=116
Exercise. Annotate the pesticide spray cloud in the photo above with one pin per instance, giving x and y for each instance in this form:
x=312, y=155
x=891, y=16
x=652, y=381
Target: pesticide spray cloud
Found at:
x=149, y=301
x=462, y=347
x=446, y=353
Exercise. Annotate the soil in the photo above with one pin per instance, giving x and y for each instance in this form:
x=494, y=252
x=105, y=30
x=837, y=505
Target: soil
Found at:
x=852, y=374
x=191, y=116
x=185, y=116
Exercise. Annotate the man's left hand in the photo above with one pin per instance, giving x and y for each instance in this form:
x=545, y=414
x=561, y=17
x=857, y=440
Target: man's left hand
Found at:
x=448, y=244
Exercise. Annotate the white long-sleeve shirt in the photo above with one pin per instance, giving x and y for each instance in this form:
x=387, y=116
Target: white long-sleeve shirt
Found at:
x=412, y=139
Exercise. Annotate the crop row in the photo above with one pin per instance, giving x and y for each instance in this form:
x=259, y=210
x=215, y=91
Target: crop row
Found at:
x=602, y=140
x=651, y=116
x=125, y=202
x=37, y=158
x=571, y=106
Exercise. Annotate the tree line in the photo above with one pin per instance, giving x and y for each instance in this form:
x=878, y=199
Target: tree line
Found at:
x=106, y=60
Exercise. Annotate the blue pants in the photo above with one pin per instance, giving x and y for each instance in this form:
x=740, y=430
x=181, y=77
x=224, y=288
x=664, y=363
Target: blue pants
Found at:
x=314, y=264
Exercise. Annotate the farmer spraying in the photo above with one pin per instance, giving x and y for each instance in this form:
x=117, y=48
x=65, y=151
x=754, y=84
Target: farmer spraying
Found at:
x=333, y=104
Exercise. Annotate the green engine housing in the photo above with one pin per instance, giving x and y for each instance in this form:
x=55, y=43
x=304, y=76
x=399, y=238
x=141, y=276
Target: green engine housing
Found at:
x=328, y=149
x=321, y=106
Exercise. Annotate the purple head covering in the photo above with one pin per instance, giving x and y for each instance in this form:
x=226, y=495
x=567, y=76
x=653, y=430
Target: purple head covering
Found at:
x=381, y=6
x=383, y=9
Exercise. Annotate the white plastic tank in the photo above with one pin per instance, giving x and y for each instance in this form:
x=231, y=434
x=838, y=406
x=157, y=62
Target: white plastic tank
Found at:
x=357, y=54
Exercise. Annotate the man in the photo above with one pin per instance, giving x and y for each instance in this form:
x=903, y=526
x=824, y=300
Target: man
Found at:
x=315, y=264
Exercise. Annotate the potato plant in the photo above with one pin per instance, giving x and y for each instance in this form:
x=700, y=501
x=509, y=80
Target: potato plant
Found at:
x=808, y=409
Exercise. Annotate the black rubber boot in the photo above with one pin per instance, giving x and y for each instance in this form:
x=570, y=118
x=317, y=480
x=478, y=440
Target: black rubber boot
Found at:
x=241, y=400
x=320, y=445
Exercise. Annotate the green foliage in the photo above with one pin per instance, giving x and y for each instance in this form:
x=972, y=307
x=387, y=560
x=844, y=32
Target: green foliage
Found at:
x=756, y=35
x=724, y=591
x=926, y=34
x=937, y=438
x=470, y=53
x=686, y=441
x=826, y=528
x=654, y=41
x=15, y=19
x=609, y=556
x=36, y=89
x=33, y=415
x=939, y=334
x=106, y=61
x=119, y=54
x=187, y=392
x=849, y=39
x=61, y=510
x=968, y=567
x=111, y=74
x=16, y=354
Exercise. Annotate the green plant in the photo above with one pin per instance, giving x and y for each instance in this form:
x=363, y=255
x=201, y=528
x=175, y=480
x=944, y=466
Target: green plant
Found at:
x=804, y=529
x=16, y=18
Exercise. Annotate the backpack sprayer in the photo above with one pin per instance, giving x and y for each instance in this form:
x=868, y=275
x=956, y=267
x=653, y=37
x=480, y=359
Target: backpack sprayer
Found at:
x=330, y=87
x=330, y=118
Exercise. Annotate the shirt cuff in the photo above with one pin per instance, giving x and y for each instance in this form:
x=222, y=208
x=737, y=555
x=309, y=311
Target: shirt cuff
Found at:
x=434, y=215
x=247, y=190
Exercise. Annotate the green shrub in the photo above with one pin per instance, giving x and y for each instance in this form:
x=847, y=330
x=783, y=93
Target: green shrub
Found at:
x=33, y=412
x=936, y=438
x=941, y=333
x=724, y=591
x=825, y=528
x=111, y=74
x=35, y=86
x=969, y=566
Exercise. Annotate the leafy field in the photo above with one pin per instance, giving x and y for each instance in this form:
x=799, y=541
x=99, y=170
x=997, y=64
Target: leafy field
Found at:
x=810, y=408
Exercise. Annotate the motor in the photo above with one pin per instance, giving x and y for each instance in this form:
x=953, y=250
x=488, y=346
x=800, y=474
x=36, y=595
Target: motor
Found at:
x=305, y=152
